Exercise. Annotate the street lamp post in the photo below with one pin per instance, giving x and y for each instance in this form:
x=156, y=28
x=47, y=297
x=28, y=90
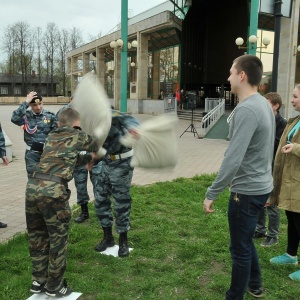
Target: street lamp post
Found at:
x=124, y=34
x=253, y=23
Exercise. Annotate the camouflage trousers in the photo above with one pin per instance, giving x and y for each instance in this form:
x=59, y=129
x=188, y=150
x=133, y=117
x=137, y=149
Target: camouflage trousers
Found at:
x=114, y=180
x=32, y=158
x=81, y=177
x=48, y=217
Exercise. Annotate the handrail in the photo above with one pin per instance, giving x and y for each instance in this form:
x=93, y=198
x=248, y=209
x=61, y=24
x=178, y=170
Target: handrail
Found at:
x=230, y=116
x=212, y=117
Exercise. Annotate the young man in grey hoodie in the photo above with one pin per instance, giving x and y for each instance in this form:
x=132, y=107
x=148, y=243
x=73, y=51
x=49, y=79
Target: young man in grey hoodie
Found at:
x=247, y=169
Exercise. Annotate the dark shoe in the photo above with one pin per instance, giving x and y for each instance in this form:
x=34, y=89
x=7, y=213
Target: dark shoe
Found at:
x=63, y=291
x=37, y=287
x=258, y=235
x=123, y=245
x=84, y=215
x=3, y=225
x=269, y=242
x=256, y=293
x=108, y=240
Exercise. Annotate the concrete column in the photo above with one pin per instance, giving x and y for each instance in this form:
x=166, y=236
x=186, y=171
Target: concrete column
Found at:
x=155, y=75
x=85, y=63
x=117, y=78
x=287, y=59
x=69, y=65
x=142, y=64
x=100, y=65
x=74, y=75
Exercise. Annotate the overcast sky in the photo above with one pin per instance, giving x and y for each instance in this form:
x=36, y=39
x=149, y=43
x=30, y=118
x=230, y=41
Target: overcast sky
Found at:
x=91, y=16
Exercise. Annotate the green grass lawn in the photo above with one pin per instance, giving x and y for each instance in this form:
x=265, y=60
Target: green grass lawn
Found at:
x=179, y=252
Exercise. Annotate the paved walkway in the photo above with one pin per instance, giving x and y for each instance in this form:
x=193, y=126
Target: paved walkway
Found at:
x=196, y=156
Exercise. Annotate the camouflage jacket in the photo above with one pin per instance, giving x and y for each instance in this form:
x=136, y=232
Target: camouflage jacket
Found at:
x=120, y=124
x=2, y=143
x=36, y=127
x=61, y=152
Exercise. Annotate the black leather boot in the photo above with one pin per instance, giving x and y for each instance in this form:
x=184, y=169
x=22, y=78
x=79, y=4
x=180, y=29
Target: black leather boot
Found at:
x=108, y=240
x=84, y=214
x=123, y=245
x=3, y=225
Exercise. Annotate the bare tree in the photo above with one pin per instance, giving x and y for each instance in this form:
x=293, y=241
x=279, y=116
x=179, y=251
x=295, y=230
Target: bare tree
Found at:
x=20, y=43
x=94, y=37
x=76, y=39
x=23, y=52
x=38, y=52
x=38, y=34
x=64, y=46
x=9, y=46
x=51, y=44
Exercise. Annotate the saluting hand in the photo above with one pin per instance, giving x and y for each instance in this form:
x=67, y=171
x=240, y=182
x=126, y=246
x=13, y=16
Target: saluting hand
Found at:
x=30, y=96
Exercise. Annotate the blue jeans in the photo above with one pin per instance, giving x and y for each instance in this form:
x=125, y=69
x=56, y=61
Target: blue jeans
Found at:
x=242, y=218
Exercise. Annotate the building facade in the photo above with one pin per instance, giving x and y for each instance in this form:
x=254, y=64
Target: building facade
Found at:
x=192, y=51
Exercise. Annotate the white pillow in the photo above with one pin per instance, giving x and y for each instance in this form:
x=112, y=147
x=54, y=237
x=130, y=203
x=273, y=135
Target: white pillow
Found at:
x=157, y=145
x=91, y=101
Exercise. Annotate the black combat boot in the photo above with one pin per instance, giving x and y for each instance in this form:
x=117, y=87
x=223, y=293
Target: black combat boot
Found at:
x=84, y=213
x=108, y=240
x=123, y=246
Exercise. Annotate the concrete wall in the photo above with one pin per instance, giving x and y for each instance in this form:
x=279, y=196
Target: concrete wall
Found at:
x=149, y=107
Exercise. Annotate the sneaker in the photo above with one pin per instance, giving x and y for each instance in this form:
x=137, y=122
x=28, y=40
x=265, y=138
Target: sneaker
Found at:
x=269, y=242
x=284, y=259
x=259, y=235
x=256, y=293
x=37, y=287
x=295, y=276
x=63, y=291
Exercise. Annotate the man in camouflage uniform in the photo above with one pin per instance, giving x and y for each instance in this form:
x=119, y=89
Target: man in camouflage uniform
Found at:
x=48, y=212
x=4, y=159
x=115, y=180
x=36, y=123
x=81, y=175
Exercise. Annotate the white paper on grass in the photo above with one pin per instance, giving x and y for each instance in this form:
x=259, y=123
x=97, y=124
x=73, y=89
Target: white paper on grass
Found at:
x=91, y=101
x=43, y=296
x=157, y=145
x=113, y=251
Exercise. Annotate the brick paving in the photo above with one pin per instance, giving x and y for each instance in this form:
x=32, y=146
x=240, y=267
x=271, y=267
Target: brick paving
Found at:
x=196, y=156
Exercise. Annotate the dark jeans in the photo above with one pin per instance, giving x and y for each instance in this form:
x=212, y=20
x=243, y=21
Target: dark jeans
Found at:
x=293, y=232
x=274, y=220
x=242, y=218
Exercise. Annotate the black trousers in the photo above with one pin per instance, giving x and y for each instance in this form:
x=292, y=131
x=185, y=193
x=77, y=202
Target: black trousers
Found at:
x=293, y=232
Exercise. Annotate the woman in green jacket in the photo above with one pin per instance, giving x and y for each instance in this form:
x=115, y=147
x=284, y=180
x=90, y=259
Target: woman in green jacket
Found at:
x=286, y=193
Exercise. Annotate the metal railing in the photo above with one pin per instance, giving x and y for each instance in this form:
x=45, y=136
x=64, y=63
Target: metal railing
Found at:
x=211, y=103
x=211, y=118
x=230, y=116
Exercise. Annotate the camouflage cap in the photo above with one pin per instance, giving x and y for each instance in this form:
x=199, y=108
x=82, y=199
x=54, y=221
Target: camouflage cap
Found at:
x=37, y=99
